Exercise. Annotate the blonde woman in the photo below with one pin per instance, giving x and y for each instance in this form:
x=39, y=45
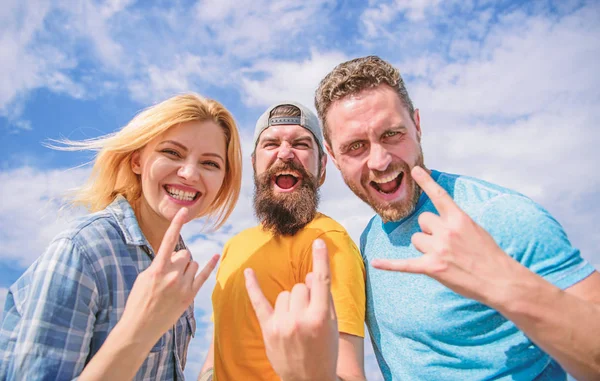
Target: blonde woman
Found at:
x=112, y=297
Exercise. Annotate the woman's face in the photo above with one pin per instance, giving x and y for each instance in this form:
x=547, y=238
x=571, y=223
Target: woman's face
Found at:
x=184, y=167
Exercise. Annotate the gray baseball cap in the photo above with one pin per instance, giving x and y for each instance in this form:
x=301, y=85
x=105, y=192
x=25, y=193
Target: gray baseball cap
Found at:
x=307, y=119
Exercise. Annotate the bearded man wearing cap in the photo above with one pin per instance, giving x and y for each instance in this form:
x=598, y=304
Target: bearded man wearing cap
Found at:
x=289, y=167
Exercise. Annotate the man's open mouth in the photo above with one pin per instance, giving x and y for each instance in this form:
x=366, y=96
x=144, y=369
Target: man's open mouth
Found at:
x=286, y=179
x=388, y=184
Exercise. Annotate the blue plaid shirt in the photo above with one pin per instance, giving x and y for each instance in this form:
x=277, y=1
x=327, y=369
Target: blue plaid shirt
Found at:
x=58, y=314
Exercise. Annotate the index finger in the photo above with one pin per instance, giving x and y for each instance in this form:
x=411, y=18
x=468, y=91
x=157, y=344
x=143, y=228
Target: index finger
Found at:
x=171, y=238
x=439, y=197
x=260, y=304
x=320, y=291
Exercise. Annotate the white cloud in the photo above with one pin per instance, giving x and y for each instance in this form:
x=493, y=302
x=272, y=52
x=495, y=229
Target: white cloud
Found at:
x=179, y=77
x=249, y=28
x=282, y=80
x=24, y=66
x=151, y=52
x=31, y=214
x=378, y=17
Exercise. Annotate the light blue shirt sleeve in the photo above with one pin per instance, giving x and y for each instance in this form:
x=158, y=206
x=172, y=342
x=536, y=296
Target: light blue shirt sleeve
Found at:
x=529, y=234
x=49, y=317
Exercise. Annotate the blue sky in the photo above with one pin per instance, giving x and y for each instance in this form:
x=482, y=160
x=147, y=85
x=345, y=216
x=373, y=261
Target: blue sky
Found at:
x=508, y=91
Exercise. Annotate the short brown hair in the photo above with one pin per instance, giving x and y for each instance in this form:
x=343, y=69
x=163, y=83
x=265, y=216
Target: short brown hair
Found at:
x=354, y=76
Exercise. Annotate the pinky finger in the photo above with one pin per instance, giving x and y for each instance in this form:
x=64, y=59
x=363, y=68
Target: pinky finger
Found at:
x=205, y=273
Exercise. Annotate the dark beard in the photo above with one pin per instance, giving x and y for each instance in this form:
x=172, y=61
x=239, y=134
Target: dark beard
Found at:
x=285, y=214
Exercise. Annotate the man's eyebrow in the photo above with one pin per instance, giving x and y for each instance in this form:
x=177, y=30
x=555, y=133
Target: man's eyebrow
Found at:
x=268, y=139
x=303, y=138
x=174, y=143
x=397, y=127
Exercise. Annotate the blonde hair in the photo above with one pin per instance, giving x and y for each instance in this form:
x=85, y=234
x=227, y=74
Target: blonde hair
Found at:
x=112, y=174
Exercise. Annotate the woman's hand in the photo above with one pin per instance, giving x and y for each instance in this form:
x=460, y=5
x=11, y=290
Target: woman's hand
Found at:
x=163, y=291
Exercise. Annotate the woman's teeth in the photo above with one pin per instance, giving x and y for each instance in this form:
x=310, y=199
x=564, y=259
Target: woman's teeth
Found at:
x=180, y=194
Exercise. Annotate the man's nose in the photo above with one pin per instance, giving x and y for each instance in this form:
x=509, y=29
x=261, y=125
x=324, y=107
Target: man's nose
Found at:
x=379, y=158
x=285, y=153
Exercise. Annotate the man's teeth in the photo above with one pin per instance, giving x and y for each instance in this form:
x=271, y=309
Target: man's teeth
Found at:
x=388, y=178
x=181, y=195
x=282, y=173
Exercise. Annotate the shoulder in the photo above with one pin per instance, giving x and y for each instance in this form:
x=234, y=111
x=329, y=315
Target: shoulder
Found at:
x=367, y=230
x=470, y=190
x=89, y=225
x=91, y=244
x=95, y=230
x=325, y=224
x=252, y=234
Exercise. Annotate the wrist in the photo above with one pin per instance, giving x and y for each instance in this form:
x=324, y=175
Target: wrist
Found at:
x=524, y=295
x=131, y=338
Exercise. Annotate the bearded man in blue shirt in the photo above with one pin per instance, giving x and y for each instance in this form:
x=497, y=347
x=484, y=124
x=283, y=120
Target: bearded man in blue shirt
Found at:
x=466, y=280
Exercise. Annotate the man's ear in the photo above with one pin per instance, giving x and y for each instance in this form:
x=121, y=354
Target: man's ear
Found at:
x=136, y=166
x=323, y=169
x=330, y=151
x=417, y=121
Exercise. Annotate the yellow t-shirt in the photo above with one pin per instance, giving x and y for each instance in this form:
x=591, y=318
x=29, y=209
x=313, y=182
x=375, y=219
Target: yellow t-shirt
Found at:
x=279, y=263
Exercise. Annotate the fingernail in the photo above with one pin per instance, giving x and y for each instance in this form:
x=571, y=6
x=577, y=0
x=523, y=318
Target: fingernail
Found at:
x=318, y=244
x=247, y=273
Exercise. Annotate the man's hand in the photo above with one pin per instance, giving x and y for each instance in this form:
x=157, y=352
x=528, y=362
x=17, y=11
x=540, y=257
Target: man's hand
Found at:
x=163, y=291
x=457, y=252
x=300, y=333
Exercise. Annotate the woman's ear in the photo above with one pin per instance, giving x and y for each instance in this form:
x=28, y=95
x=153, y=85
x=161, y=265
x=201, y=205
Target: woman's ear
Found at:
x=136, y=167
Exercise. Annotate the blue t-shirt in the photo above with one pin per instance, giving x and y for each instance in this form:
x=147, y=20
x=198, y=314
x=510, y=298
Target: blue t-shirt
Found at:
x=422, y=330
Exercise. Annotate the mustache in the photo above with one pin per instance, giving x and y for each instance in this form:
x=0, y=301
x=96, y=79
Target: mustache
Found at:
x=285, y=166
x=285, y=214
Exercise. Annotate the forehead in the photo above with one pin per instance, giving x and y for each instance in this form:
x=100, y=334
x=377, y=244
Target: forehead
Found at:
x=196, y=134
x=371, y=111
x=285, y=132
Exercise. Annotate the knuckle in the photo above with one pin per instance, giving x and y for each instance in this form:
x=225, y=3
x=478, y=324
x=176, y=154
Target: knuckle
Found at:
x=299, y=288
x=323, y=278
x=291, y=328
x=439, y=265
x=449, y=234
x=439, y=192
x=315, y=322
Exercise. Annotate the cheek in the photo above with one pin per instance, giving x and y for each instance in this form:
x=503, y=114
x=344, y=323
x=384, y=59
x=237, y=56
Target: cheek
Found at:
x=214, y=180
x=157, y=170
x=263, y=161
x=352, y=169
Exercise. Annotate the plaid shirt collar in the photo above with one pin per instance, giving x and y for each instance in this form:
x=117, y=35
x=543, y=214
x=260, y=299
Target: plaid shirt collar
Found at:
x=129, y=227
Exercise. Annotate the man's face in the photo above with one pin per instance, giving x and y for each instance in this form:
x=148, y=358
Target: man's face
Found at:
x=375, y=143
x=287, y=173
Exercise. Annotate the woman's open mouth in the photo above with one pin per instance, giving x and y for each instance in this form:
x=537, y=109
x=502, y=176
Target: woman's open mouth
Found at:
x=180, y=194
